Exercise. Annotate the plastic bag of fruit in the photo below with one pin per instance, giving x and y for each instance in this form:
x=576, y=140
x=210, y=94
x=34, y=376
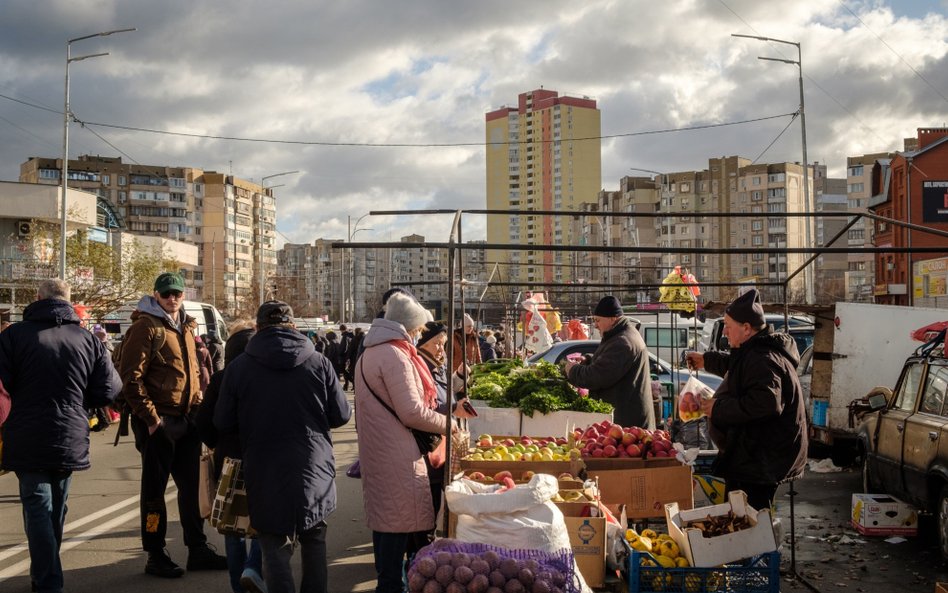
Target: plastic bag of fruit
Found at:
x=690, y=398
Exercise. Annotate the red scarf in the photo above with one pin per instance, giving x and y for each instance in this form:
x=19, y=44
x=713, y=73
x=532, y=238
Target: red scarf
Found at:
x=427, y=381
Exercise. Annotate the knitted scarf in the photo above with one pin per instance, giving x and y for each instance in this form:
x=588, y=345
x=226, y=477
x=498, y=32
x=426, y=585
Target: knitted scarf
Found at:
x=427, y=382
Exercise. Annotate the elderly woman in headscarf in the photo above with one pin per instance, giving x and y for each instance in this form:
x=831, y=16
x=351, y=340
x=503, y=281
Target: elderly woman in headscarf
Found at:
x=431, y=348
x=395, y=392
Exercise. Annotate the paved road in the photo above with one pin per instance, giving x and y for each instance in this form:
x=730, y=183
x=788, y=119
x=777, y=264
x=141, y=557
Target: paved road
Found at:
x=102, y=548
x=101, y=551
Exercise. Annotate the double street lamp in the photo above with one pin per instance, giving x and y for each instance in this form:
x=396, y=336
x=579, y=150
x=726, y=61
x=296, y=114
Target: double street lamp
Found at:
x=349, y=269
x=260, y=273
x=66, y=115
x=808, y=272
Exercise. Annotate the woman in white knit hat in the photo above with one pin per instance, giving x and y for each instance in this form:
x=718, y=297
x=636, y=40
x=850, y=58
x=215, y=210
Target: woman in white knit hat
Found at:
x=394, y=391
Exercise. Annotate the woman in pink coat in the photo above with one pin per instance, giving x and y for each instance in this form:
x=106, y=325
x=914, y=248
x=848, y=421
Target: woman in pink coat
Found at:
x=395, y=486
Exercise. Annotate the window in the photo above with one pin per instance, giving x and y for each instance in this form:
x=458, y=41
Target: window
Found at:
x=855, y=171
x=758, y=240
x=857, y=234
x=855, y=188
x=855, y=203
x=908, y=388
x=106, y=179
x=757, y=225
x=49, y=173
x=757, y=195
x=777, y=192
x=755, y=181
x=933, y=398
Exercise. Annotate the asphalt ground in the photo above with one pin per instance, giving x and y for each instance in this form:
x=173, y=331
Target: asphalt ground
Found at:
x=102, y=551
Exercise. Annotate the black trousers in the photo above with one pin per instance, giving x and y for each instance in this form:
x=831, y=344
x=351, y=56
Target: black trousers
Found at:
x=173, y=450
x=759, y=496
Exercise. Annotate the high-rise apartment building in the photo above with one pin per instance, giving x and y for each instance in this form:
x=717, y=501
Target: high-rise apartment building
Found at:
x=231, y=220
x=310, y=278
x=543, y=154
x=861, y=266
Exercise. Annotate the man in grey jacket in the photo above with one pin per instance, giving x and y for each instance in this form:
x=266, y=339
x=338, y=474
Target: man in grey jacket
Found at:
x=619, y=370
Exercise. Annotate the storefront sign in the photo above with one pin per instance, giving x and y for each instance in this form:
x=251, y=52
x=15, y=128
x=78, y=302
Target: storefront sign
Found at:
x=931, y=277
x=935, y=201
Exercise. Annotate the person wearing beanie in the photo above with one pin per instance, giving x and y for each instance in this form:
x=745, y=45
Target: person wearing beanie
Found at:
x=757, y=414
x=243, y=566
x=467, y=346
x=283, y=398
x=395, y=392
x=618, y=372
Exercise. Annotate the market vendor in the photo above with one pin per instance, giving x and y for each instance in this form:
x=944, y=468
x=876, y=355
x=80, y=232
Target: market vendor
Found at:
x=758, y=420
x=618, y=372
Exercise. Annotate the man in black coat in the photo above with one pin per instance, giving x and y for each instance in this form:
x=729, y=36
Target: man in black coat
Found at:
x=282, y=398
x=757, y=416
x=54, y=370
x=619, y=372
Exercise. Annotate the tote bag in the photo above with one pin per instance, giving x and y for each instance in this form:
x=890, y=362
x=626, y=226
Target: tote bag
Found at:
x=230, y=514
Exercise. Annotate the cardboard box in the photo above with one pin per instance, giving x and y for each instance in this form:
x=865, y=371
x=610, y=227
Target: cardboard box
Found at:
x=554, y=468
x=560, y=424
x=645, y=491
x=587, y=538
x=598, y=463
x=881, y=514
x=709, y=490
x=707, y=552
x=941, y=587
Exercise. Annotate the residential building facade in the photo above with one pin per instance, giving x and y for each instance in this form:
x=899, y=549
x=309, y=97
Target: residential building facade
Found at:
x=231, y=220
x=912, y=187
x=543, y=154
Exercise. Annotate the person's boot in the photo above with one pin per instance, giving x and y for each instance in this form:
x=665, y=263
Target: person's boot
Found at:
x=202, y=557
x=161, y=565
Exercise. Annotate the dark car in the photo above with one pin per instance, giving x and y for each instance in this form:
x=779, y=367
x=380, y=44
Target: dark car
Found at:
x=559, y=351
x=904, y=437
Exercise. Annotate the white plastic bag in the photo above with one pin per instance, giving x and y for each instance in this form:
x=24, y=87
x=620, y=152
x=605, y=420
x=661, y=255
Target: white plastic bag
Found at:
x=689, y=400
x=520, y=518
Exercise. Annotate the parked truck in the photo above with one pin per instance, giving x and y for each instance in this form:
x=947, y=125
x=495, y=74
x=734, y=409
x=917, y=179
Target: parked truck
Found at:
x=856, y=347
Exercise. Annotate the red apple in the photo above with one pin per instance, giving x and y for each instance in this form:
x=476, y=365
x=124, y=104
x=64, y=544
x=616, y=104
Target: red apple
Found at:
x=633, y=450
x=597, y=452
x=499, y=476
x=609, y=451
x=476, y=476
x=621, y=453
x=609, y=441
x=508, y=443
x=526, y=441
x=628, y=438
x=616, y=432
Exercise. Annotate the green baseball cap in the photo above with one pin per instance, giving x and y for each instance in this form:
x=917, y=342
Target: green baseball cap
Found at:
x=169, y=281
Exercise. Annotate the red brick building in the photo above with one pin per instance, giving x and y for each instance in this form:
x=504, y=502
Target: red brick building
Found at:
x=912, y=187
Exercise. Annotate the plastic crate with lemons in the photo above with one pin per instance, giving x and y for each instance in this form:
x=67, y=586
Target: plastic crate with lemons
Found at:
x=726, y=548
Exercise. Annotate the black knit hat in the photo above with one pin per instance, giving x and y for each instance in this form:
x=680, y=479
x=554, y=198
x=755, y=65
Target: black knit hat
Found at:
x=609, y=306
x=747, y=309
x=236, y=344
x=274, y=312
x=432, y=329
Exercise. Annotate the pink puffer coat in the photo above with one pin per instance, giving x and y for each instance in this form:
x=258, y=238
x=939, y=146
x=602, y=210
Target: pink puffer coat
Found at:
x=395, y=489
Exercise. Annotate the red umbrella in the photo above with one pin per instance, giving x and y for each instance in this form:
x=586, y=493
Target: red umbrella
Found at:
x=927, y=333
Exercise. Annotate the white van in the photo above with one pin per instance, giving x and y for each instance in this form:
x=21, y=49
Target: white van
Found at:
x=208, y=318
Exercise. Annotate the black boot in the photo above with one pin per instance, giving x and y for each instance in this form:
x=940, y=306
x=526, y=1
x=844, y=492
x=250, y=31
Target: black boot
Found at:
x=161, y=565
x=202, y=557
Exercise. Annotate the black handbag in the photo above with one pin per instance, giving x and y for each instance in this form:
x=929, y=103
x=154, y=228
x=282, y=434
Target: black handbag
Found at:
x=427, y=441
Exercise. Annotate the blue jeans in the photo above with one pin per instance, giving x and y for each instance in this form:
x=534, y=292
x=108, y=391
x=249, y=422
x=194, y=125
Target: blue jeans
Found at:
x=44, y=494
x=277, y=551
x=238, y=558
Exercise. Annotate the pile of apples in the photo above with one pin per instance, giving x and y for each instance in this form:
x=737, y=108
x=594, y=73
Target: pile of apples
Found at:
x=523, y=449
x=609, y=440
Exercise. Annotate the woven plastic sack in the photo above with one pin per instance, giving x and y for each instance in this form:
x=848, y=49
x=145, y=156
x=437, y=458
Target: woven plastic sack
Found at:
x=484, y=560
x=230, y=514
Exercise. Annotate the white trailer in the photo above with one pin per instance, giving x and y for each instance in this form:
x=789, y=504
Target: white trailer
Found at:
x=856, y=347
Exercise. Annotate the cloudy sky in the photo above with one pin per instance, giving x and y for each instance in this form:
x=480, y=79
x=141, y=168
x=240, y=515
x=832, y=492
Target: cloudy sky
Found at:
x=423, y=72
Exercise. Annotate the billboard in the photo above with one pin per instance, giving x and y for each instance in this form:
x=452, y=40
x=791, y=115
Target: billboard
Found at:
x=935, y=201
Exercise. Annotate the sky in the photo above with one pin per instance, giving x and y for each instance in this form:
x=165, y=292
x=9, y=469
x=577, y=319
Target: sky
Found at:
x=297, y=78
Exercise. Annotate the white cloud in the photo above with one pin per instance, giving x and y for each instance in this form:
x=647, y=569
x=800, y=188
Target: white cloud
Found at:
x=423, y=72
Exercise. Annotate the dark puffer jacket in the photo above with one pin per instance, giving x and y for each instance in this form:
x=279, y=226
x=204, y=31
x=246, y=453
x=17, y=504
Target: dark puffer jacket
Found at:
x=54, y=369
x=758, y=420
x=619, y=374
x=283, y=398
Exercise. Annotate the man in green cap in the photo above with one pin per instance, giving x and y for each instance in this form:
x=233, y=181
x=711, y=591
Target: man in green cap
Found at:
x=161, y=386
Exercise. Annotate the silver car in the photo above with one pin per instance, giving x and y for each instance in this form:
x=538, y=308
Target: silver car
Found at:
x=660, y=368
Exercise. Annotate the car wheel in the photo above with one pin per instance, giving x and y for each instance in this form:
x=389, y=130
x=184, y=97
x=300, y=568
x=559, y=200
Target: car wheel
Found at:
x=942, y=515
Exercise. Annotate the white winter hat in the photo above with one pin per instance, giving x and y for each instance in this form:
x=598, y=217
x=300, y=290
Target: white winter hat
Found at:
x=403, y=309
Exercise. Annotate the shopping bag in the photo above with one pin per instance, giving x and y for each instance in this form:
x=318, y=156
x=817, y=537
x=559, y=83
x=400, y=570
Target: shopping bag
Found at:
x=689, y=399
x=207, y=485
x=460, y=443
x=230, y=514
x=355, y=470
x=438, y=456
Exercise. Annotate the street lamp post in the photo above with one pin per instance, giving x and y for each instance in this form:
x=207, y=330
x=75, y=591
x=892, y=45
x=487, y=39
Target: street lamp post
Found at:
x=349, y=269
x=260, y=273
x=808, y=272
x=66, y=114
